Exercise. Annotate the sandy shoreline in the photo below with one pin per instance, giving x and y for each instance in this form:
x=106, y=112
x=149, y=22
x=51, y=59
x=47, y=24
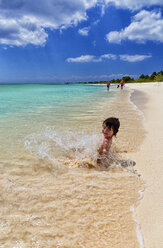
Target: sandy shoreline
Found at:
x=148, y=97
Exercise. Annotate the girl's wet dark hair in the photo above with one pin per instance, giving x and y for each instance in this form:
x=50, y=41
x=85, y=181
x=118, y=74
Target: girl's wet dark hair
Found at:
x=112, y=122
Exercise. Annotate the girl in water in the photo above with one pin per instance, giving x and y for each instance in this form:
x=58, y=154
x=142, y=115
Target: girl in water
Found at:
x=110, y=128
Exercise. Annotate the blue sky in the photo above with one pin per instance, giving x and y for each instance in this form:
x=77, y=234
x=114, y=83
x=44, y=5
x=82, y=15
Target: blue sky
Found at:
x=57, y=41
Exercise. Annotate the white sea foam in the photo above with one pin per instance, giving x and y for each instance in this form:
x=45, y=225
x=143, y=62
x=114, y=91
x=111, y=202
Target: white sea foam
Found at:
x=138, y=228
x=56, y=144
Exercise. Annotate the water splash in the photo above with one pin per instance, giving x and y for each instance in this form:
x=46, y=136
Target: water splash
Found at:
x=73, y=149
x=63, y=144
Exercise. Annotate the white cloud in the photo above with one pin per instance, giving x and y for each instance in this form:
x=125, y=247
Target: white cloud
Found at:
x=108, y=56
x=25, y=22
x=133, y=5
x=96, y=22
x=134, y=58
x=104, y=57
x=129, y=4
x=84, y=31
x=91, y=58
x=21, y=33
x=146, y=25
x=82, y=59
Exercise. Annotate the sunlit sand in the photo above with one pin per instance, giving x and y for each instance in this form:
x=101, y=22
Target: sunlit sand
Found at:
x=149, y=160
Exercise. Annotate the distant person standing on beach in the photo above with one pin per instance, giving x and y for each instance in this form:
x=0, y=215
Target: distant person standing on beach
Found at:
x=122, y=84
x=108, y=85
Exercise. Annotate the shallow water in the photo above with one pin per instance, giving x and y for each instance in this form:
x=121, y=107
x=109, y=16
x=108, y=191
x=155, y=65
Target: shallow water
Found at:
x=45, y=199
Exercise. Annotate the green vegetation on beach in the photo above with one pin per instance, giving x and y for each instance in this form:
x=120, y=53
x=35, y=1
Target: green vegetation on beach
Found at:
x=154, y=77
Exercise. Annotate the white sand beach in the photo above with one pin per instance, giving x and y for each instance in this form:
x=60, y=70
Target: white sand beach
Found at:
x=148, y=97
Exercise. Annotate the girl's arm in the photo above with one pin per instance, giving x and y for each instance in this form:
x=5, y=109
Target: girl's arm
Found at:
x=105, y=147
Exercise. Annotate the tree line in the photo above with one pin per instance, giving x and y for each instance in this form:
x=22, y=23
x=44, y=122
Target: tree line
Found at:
x=154, y=77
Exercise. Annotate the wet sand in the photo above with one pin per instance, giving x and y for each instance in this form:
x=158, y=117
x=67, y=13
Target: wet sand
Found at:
x=47, y=203
x=148, y=97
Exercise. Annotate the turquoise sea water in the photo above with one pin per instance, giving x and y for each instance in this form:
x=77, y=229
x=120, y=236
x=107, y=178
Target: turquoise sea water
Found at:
x=27, y=109
x=16, y=99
